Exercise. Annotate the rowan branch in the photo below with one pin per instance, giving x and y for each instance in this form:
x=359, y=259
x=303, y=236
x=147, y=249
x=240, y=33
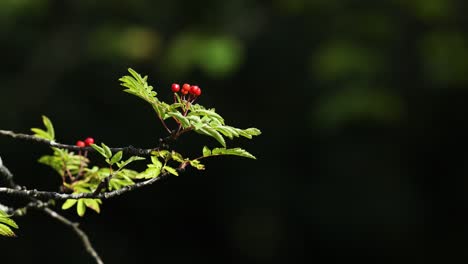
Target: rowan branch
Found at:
x=36, y=204
x=44, y=195
x=128, y=150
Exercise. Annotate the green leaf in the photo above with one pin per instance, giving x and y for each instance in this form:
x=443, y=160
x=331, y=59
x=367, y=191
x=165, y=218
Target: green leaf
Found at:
x=93, y=204
x=138, y=86
x=155, y=160
x=117, y=157
x=5, y=219
x=150, y=172
x=177, y=157
x=196, y=164
x=6, y=231
x=182, y=119
x=81, y=207
x=171, y=170
x=206, y=151
x=233, y=151
x=49, y=134
x=68, y=204
x=249, y=132
x=41, y=133
x=206, y=130
x=130, y=160
x=49, y=127
x=210, y=113
x=99, y=149
x=107, y=151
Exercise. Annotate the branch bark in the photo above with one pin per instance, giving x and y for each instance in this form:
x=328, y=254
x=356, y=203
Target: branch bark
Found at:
x=128, y=150
x=44, y=195
x=44, y=207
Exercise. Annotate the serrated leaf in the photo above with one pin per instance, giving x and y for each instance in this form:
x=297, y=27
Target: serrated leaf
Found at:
x=49, y=127
x=81, y=207
x=6, y=231
x=206, y=151
x=210, y=113
x=182, y=119
x=213, y=133
x=253, y=131
x=233, y=151
x=225, y=131
x=171, y=170
x=68, y=204
x=117, y=157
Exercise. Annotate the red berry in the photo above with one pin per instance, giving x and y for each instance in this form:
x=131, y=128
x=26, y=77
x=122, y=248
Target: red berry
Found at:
x=186, y=87
x=184, y=92
x=89, y=141
x=193, y=88
x=80, y=143
x=175, y=87
x=197, y=91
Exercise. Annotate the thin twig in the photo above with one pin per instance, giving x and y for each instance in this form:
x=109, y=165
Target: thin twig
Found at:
x=128, y=150
x=81, y=234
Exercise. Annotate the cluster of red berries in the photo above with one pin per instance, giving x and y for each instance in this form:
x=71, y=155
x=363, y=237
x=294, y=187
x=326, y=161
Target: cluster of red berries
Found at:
x=186, y=89
x=87, y=142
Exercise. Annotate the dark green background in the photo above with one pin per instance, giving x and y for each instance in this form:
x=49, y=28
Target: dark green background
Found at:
x=362, y=105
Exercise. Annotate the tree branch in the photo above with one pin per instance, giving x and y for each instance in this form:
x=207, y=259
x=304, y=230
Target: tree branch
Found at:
x=81, y=234
x=44, y=207
x=128, y=150
x=8, y=176
x=44, y=195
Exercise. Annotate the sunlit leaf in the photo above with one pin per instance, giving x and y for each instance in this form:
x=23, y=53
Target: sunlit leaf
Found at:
x=68, y=204
x=81, y=207
x=171, y=170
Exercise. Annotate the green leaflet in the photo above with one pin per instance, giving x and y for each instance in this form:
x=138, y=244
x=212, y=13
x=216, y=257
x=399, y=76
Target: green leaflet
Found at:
x=6, y=223
x=93, y=204
x=206, y=151
x=171, y=170
x=68, y=204
x=49, y=133
x=81, y=207
x=209, y=131
x=138, y=86
x=128, y=161
x=223, y=151
x=63, y=160
x=153, y=170
x=182, y=119
x=116, y=158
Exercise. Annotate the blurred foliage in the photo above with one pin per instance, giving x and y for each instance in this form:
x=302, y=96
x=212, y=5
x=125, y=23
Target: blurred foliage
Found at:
x=217, y=56
x=361, y=104
x=444, y=57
